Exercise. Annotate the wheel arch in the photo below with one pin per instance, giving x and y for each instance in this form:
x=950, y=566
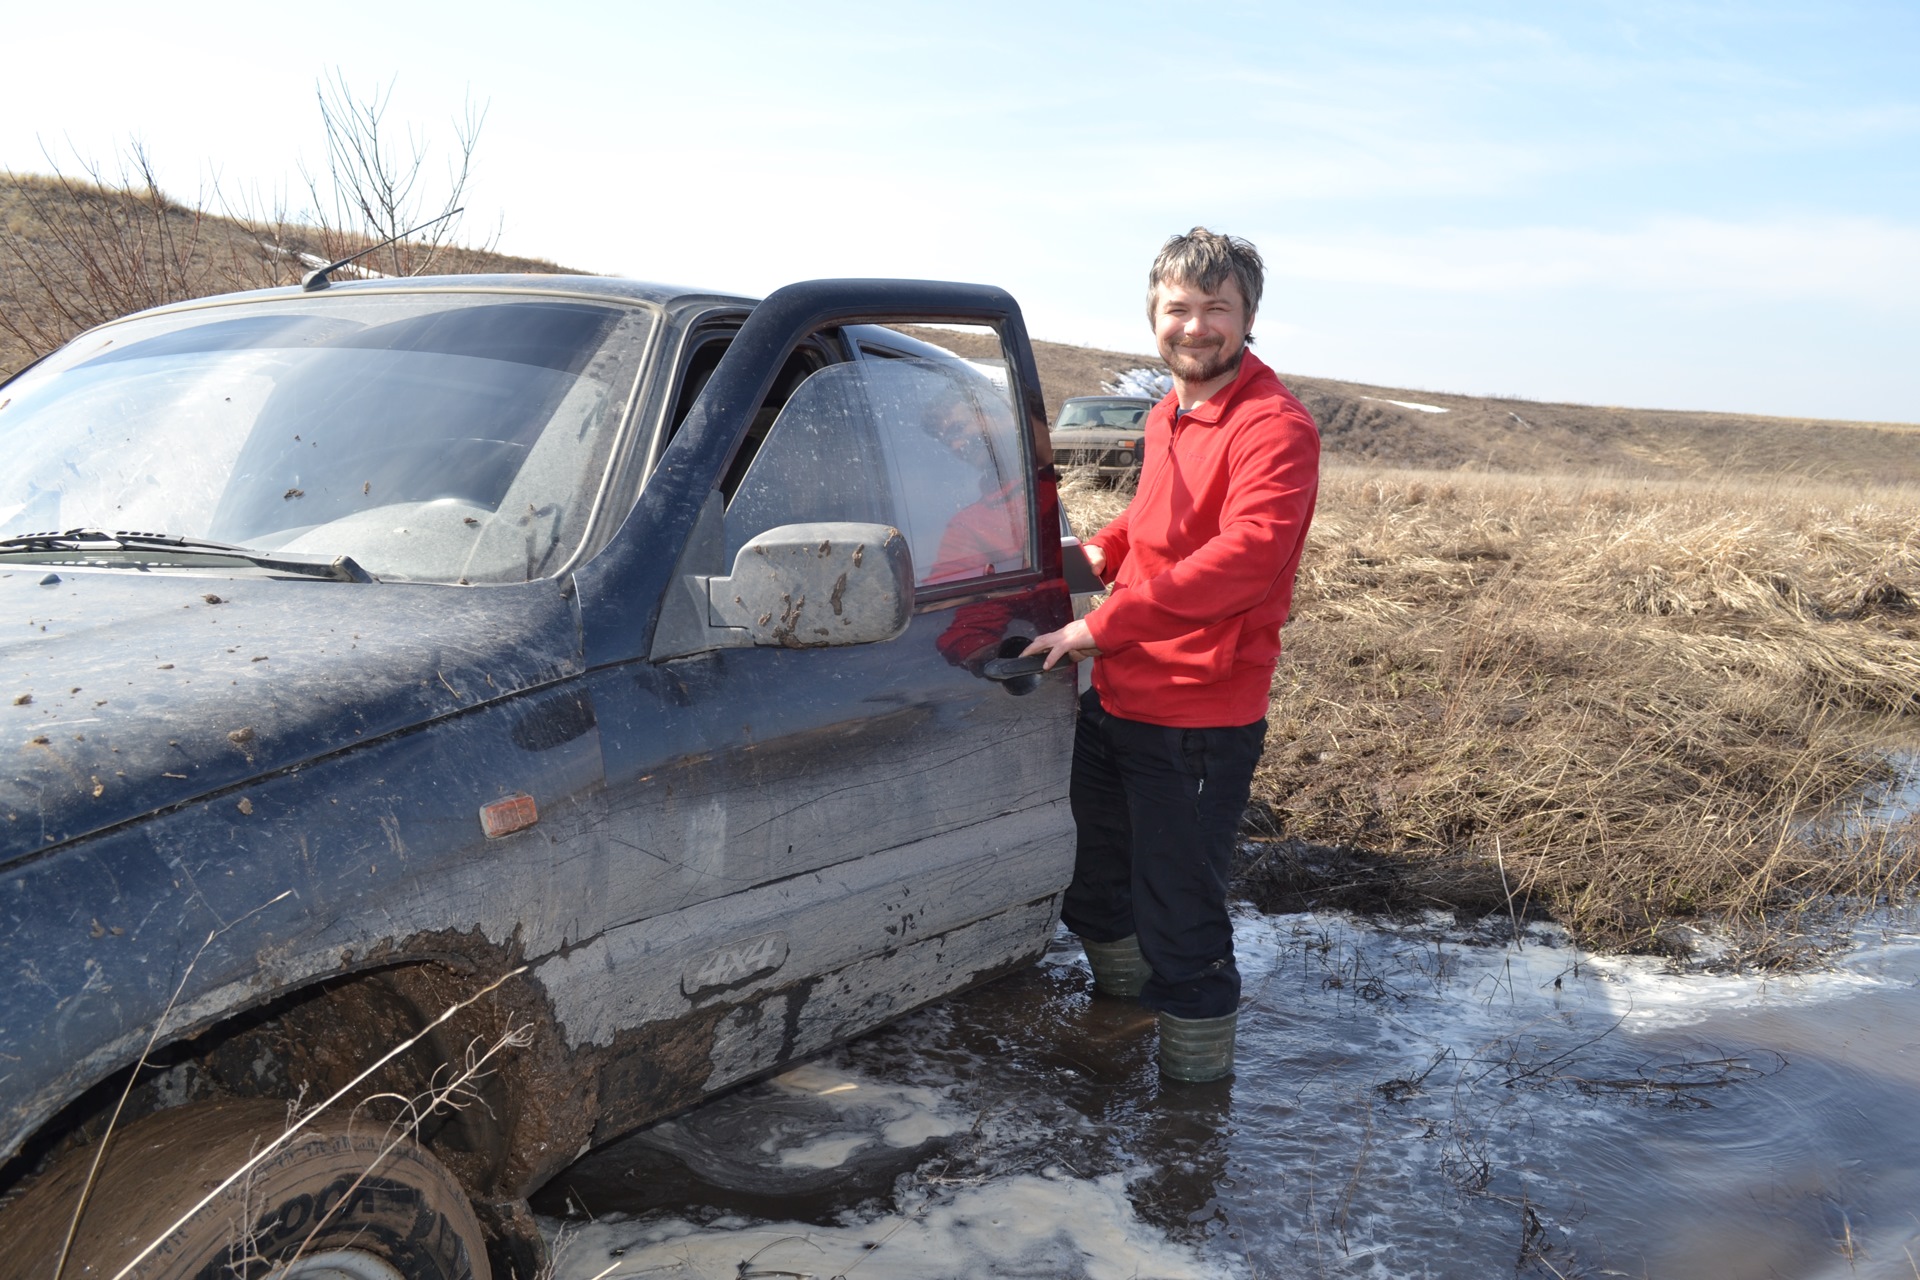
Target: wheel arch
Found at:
x=470, y=1011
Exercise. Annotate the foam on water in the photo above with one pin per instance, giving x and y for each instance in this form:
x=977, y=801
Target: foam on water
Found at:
x=1051, y=1226
x=1451, y=984
x=829, y=1152
x=895, y=1116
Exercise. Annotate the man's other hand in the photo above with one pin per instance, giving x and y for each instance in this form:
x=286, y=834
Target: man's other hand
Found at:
x=1073, y=642
x=1096, y=559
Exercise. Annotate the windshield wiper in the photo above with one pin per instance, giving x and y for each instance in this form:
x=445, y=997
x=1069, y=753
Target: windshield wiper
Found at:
x=85, y=541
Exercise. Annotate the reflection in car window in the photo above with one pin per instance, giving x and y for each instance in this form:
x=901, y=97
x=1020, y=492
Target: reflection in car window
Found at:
x=927, y=446
x=431, y=436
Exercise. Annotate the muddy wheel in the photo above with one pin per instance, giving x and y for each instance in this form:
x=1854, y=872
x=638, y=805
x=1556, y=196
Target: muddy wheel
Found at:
x=325, y=1206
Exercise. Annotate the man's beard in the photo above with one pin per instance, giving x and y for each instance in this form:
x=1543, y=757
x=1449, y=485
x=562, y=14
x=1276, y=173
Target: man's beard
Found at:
x=1202, y=364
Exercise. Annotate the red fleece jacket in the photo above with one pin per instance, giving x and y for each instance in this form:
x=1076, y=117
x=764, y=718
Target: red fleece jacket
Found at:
x=1202, y=561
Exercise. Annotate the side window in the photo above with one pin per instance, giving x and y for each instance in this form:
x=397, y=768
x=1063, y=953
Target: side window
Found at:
x=928, y=445
x=705, y=350
x=793, y=374
x=700, y=366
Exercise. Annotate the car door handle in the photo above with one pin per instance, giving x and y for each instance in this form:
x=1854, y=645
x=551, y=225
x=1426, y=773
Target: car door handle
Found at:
x=1005, y=669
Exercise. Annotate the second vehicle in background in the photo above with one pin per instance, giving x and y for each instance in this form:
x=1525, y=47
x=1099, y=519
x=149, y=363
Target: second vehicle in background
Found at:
x=1106, y=432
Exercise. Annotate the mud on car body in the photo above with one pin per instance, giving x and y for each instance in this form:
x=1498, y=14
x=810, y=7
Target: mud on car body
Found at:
x=621, y=669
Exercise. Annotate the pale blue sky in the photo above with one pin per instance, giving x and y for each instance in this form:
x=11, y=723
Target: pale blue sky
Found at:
x=1688, y=205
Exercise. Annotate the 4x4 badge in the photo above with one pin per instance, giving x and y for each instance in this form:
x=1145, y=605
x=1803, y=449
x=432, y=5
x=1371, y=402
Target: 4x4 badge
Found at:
x=732, y=965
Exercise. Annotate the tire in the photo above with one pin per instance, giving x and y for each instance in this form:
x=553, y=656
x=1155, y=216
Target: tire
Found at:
x=406, y=1218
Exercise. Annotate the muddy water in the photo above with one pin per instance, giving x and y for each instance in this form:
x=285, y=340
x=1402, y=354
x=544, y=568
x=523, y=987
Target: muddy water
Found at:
x=1410, y=1101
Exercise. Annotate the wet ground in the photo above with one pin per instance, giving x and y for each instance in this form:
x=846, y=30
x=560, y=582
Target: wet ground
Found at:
x=1411, y=1100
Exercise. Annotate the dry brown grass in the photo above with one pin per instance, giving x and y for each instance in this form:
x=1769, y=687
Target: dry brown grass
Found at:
x=1623, y=704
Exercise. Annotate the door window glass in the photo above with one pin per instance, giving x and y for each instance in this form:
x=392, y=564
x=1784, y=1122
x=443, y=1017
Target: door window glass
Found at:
x=928, y=446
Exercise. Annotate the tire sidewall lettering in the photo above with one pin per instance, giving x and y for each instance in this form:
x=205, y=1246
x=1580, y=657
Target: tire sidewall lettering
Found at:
x=385, y=1217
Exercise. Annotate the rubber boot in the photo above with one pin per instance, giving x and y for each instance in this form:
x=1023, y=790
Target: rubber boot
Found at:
x=1118, y=967
x=1196, y=1050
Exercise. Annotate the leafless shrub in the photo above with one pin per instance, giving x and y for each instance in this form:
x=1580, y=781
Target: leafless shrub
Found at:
x=85, y=245
x=374, y=188
x=95, y=246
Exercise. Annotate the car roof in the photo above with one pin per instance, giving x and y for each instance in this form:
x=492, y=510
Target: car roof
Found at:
x=1108, y=400
x=610, y=288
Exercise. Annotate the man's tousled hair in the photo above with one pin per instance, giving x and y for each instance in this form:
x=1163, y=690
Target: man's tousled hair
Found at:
x=1202, y=259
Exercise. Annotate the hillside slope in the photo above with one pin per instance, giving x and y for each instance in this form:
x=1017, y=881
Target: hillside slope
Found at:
x=1362, y=423
x=161, y=251
x=74, y=255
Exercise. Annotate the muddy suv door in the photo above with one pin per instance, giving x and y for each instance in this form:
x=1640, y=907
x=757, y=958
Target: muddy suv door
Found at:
x=807, y=836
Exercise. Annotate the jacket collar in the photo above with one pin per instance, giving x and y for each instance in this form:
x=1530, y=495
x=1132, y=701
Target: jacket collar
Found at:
x=1211, y=410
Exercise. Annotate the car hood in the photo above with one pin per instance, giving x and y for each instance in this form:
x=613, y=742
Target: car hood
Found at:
x=1096, y=435
x=124, y=692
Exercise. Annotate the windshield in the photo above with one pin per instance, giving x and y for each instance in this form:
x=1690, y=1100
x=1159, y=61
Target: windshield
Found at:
x=442, y=437
x=1102, y=413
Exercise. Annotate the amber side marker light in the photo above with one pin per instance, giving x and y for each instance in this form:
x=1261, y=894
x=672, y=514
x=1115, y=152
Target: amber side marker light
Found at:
x=508, y=815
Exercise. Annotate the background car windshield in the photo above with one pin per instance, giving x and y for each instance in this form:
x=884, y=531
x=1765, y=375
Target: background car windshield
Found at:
x=1102, y=413
x=432, y=436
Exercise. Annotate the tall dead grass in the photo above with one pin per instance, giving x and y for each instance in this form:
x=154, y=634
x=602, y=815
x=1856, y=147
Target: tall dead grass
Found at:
x=1623, y=704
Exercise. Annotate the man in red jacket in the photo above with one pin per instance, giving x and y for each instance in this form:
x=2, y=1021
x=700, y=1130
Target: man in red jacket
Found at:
x=1201, y=565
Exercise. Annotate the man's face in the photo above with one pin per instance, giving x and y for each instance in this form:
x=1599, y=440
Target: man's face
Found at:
x=1201, y=334
x=956, y=426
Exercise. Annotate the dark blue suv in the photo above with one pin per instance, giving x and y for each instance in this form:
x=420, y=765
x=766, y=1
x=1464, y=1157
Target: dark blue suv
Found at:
x=455, y=721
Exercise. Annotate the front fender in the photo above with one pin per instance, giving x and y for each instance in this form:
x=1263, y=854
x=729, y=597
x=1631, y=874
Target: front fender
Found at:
x=160, y=928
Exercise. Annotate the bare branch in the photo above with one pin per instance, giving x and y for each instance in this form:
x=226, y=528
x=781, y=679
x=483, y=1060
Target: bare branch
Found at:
x=85, y=246
x=372, y=188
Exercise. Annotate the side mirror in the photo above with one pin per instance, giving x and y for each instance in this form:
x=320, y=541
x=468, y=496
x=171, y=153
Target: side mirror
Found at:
x=803, y=586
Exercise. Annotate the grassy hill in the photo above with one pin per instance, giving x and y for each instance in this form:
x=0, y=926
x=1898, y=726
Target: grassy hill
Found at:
x=158, y=250
x=1359, y=423
x=73, y=254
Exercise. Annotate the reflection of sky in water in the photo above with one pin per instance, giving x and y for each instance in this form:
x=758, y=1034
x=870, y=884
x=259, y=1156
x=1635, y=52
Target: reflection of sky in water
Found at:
x=1408, y=1102
x=1902, y=800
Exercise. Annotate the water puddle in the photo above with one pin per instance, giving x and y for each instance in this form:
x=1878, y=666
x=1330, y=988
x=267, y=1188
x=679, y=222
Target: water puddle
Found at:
x=1411, y=1100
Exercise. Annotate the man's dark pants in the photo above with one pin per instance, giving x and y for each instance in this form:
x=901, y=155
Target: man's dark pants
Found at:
x=1158, y=810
